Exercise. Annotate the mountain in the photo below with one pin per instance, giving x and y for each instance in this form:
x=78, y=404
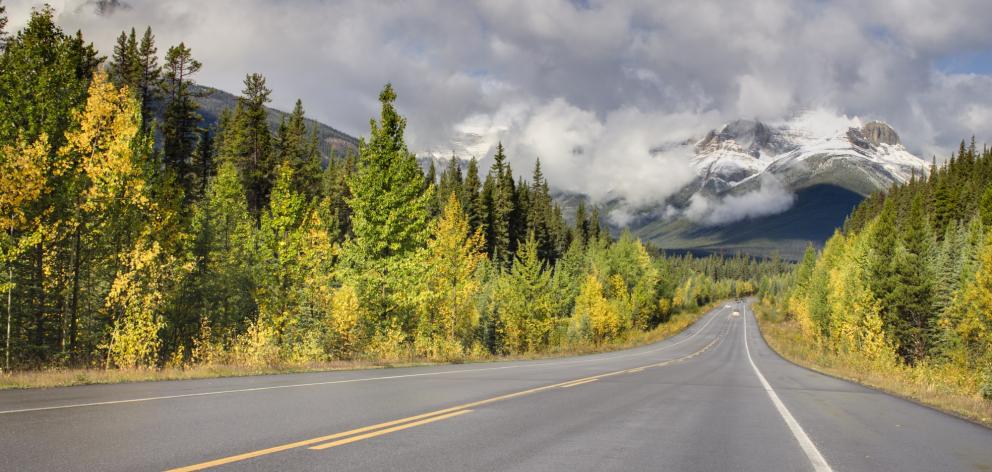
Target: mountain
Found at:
x=860, y=158
x=214, y=101
x=762, y=188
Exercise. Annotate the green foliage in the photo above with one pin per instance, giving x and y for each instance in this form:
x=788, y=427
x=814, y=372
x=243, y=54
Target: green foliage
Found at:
x=906, y=282
x=237, y=245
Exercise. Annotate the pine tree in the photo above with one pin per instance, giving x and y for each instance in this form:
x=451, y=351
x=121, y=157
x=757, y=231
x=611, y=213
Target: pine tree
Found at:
x=224, y=244
x=473, y=197
x=498, y=198
x=202, y=165
x=149, y=74
x=280, y=246
x=523, y=301
x=294, y=145
x=451, y=182
x=180, y=128
x=247, y=140
x=333, y=208
x=390, y=216
x=123, y=66
x=581, y=224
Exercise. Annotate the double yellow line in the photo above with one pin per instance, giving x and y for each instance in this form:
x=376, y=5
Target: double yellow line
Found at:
x=366, y=432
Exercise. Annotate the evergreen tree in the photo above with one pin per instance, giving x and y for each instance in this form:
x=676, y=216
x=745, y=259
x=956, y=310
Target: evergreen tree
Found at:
x=498, y=198
x=297, y=147
x=223, y=282
x=148, y=76
x=123, y=65
x=390, y=213
x=203, y=164
x=248, y=142
x=473, y=198
x=180, y=128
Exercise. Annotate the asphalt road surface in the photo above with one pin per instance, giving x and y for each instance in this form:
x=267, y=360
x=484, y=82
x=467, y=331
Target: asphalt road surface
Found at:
x=712, y=398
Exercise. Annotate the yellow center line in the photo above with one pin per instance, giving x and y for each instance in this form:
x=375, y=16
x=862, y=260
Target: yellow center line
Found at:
x=422, y=418
x=373, y=434
x=573, y=384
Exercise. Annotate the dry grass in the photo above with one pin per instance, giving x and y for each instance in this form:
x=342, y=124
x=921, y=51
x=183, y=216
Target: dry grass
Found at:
x=936, y=387
x=67, y=377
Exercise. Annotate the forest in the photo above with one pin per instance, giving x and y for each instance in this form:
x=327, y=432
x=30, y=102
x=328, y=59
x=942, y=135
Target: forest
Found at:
x=906, y=285
x=135, y=237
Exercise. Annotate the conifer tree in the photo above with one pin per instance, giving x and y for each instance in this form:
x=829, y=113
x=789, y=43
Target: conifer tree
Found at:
x=123, y=65
x=473, y=197
x=498, y=198
x=248, y=142
x=148, y=75
x=180, y=128
x=390, y=211
x=223, y=280
x=298, y=147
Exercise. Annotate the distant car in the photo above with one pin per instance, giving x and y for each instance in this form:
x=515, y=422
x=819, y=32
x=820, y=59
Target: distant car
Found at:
x=736, y=313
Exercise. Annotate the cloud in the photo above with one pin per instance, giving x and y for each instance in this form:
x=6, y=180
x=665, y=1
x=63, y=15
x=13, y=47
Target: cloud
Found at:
x=621, y=81
x=769, y=199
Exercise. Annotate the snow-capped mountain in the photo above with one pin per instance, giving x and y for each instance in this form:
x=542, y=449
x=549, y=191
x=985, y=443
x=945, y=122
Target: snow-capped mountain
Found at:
x=764, y=187
x=801, y=153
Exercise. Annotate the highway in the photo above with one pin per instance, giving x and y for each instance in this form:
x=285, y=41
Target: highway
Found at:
x=712, y=398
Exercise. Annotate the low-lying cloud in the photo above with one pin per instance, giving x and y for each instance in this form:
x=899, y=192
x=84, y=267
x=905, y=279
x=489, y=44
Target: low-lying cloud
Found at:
x=769, y=199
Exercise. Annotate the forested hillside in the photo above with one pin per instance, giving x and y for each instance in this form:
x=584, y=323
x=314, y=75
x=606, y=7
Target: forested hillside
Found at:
x=132, y=241
x=907, y=284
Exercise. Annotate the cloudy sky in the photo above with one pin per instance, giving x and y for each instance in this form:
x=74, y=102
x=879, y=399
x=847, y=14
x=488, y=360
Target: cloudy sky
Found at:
x=592, y=87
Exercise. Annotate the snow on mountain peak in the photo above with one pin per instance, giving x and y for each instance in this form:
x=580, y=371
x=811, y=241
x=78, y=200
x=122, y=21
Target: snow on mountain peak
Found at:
x=814, y=147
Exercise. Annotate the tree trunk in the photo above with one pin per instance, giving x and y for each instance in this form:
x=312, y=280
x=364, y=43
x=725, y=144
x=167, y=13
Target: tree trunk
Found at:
x=10, y=302
x=74, y=304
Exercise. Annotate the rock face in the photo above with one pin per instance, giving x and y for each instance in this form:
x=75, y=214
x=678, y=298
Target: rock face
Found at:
x=880, y=133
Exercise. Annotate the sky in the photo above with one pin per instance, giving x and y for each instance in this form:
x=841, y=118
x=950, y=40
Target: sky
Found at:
x=594, y=88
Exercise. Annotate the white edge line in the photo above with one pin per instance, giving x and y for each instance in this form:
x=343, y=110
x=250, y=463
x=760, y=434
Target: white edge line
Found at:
x=365, y=379
x=819, y=463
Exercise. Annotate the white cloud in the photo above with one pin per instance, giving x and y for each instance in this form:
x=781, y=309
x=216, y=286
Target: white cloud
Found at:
x=769, y=199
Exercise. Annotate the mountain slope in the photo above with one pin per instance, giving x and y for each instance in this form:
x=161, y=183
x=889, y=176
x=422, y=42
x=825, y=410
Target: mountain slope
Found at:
x=214, y=101
x=816, y=213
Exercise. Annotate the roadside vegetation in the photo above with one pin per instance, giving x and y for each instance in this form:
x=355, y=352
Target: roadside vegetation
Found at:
x=138, y=243
x=901, y=298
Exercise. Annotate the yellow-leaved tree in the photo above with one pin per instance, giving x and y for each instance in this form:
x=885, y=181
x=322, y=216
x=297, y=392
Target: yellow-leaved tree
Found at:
x=115, y=205
x=22, y=182
x=593, y=317
x=448, y=315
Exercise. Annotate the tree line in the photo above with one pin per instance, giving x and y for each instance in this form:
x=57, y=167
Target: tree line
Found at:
x=908, y=281
x=133, y=236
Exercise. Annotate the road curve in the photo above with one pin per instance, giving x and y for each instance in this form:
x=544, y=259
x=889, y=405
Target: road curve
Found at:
x=715, y=397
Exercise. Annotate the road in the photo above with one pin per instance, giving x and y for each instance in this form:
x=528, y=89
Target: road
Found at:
x=713, y=398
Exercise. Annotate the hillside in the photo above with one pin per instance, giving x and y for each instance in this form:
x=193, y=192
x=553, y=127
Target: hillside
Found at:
x=214, y=101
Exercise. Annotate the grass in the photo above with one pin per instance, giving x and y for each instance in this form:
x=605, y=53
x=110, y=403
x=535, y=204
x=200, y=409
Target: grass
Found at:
x=933, y=386
x=64, y=377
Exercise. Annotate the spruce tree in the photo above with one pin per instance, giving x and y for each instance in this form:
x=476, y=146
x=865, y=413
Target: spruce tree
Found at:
x=248, y=142
x=297, y=147
x=499, y=196
x=180, y=131
x=473, y=197
x=390, y=215
x=148, y=75
x=123, y=65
